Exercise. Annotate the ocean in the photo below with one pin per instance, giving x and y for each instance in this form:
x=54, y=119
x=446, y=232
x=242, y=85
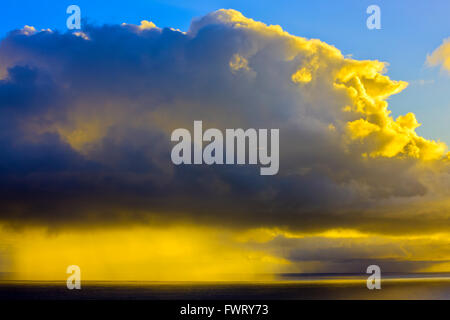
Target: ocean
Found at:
x=288, y=287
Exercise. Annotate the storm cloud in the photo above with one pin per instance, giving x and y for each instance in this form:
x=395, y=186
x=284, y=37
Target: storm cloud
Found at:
x=86, y=120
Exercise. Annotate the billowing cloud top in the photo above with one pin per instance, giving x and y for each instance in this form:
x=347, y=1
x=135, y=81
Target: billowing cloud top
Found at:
x=86, y=122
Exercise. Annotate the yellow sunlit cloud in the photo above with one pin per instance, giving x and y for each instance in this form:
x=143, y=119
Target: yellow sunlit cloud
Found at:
x=441, y=56
x=135, y=253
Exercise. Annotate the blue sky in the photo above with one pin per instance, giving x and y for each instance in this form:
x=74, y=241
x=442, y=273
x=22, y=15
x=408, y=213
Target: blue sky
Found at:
x=410, y=30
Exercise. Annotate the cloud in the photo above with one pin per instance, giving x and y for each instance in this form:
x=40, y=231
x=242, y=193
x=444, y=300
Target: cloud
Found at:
x=87, y=117
x=135, y=253
x=441, y=56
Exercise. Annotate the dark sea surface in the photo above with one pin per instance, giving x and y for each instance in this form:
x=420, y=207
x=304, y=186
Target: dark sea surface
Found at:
x=288, y=287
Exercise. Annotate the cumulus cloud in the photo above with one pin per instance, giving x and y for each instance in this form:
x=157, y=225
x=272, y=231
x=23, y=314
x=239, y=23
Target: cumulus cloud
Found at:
x=86, y=122
x=441, y=56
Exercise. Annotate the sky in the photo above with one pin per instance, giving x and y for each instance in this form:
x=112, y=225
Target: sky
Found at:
x=86, y=119
x=410, y=31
